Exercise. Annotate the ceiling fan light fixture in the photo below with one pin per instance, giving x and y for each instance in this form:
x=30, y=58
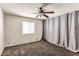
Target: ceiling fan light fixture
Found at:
x=42, y=12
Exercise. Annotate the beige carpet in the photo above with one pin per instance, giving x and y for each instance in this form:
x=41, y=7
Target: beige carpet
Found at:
x=41, y=48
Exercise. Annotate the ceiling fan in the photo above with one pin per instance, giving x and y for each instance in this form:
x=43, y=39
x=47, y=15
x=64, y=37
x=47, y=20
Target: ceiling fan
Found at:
x=42, y=12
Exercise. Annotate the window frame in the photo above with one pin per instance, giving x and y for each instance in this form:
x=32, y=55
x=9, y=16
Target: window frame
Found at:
x=28, y=32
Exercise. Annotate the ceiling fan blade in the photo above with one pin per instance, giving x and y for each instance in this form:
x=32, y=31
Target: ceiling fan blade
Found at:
x=46, y=16
x=45, y=4
x=49, y=12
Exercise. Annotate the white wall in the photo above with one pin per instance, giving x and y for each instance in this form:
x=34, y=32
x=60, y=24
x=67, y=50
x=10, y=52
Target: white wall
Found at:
x=1, y=32
x=13, y=31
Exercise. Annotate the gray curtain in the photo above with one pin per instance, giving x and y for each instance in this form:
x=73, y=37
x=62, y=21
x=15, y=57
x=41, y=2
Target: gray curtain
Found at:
x=63, y=31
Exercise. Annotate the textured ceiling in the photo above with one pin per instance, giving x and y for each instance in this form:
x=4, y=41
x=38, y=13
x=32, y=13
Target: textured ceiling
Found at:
x=27, y=9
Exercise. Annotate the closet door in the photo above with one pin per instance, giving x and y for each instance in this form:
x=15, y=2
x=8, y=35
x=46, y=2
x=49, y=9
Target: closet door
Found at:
x=55, y=31
x=52, y=30
x=73, y=31
x=49, y=30
x=63, y=30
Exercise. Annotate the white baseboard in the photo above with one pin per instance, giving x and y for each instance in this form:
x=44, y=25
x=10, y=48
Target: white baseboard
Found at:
x=72, y=50
x=65, y=47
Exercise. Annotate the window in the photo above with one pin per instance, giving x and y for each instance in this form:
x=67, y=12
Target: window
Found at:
x=28, y=27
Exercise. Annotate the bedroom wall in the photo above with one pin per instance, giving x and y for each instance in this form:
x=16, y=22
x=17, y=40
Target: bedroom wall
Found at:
x=1, y=31
x=13, y=30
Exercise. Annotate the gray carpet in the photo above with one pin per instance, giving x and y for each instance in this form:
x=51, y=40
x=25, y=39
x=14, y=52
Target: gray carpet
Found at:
x=41, y=48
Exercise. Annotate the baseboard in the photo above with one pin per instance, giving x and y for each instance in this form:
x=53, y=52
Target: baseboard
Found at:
x=74, y=51
x=23, y=43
